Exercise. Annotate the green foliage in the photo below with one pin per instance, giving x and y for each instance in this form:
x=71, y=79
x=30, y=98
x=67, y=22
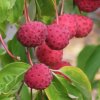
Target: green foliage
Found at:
x=89, y=59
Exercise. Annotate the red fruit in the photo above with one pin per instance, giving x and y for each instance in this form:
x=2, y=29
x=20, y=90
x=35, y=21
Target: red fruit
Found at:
x=84, y=25
x=68, y=21
x=48, y=56
x=60, y=65
x=87, y=5
x=57, y=37
x=38, y=77
x=32, y=34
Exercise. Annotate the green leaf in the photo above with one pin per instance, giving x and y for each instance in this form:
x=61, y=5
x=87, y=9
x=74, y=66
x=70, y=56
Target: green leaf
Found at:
x=79, y=80
x=2, y=51
x=5, y=6
x=93, y=64
x=5, y=59
x=45, y=7
x=32, y=9
x=84, y=55
x=11, y=75
x=56, y=91
x=25, y=94
x=3, y=29
x=17, y=49
x=72, y=90
x=89, y=60
x=16, y=12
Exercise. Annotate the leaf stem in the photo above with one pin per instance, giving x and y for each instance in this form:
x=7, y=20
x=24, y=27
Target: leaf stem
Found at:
x=5, y=47
x=31, y=93
x=27, y=18
x=29, y=56
x=62, y=74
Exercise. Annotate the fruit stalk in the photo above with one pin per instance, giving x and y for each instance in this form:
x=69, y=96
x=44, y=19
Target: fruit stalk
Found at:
x=55, y=6
x=27, y=18
x=10, y=54
x=29, y=56
x=61, y=74
x=31, y=93
x=62, y=7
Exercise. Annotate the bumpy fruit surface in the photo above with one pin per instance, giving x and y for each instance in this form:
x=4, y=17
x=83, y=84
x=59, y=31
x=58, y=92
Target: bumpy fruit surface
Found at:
x=68, y=21
x=48, y=56
x=32, y=34
x=87, y=5
x=38, y=77
x=57, y=37
x=60, y=65
x=84, y=25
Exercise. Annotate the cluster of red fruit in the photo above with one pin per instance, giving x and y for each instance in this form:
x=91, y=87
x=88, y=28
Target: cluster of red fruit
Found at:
x=49, y=42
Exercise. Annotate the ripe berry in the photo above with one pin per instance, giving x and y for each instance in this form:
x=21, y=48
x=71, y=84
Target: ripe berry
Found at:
x=68, y=21
x=38, y=77
x=57, y=37
x=84, y=25
x=32, y=34
x=60, y=65
x=48, y=56
x=87, y=5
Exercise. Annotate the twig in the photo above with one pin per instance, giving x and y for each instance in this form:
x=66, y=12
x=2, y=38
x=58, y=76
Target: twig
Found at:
x=29, y=56
x=5, y=47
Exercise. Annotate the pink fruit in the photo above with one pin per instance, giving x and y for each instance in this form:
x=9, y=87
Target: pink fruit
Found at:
x=87, y=5
x=68, y=21
x=57, y=37
x=60, y=65
x=32, y=34
x=38, y=77
x=84, y=25
x=48, y=56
